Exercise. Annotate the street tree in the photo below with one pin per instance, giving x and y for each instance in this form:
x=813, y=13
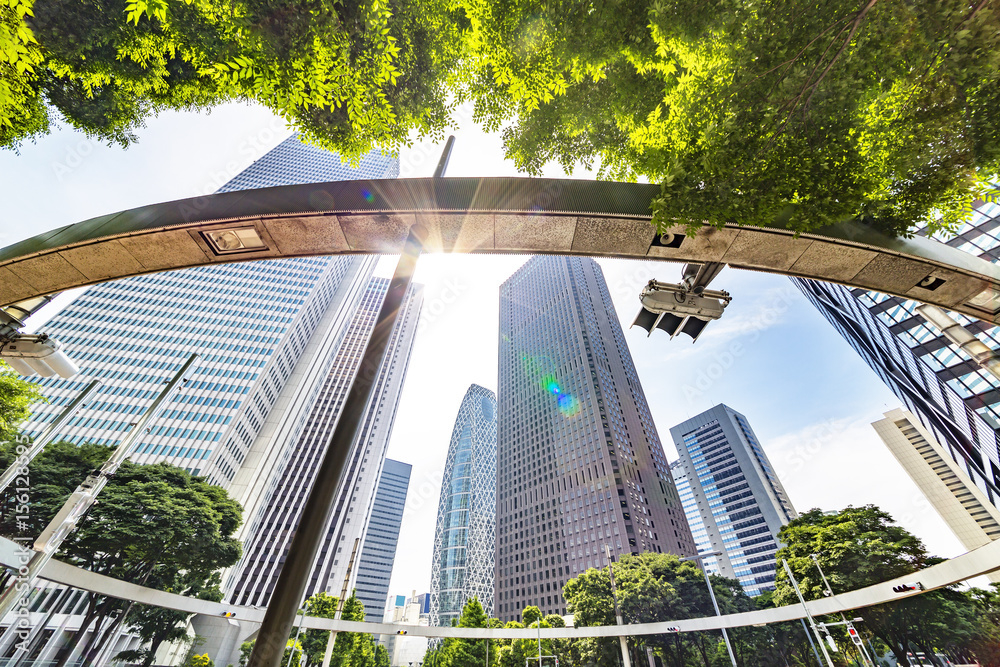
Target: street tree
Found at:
x=353, y=649
x=157, y=625
x=351, y=76
x=862, y=546
x=314, y=642
x=799, y=114
x=54, y=474
x=652, y=587
x=458, y=652
x=16, y=394
x=152, y=522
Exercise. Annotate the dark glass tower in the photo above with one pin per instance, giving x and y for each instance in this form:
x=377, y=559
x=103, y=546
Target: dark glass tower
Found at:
x=955, y=399
x=579, y=461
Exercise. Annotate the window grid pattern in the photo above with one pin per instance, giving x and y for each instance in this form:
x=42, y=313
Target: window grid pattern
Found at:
x=731, y=495
x=379, y=551
x=253, y=580
x=249, y=322
x=974, y=385
x=579, y=461
x=465, y=533
x=963, y=431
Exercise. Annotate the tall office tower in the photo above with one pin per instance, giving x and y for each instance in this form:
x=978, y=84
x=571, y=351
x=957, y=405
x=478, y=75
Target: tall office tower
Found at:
x=732, y=497
x=956, y=400
x=269, y=528
x=378, y=553
x=963, y=506
x=251, y=323
x=464, y=538
x=266, y=333
x=579, y=461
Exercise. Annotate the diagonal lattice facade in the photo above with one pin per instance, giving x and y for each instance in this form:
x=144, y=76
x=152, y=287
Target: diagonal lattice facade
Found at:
x=464, y=537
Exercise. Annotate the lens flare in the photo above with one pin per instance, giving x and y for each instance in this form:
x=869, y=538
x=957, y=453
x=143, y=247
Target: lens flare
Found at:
x=368, y=195
x=538, y=367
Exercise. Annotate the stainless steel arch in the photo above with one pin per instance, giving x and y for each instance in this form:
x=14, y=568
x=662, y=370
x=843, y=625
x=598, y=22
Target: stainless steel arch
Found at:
x=974, y=563
x=483, y=215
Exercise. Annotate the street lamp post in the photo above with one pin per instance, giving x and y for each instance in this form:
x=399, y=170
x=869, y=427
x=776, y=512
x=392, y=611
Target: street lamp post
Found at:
x=795, y=585
x=618, y=614
x=829, y=591
x=711, y=594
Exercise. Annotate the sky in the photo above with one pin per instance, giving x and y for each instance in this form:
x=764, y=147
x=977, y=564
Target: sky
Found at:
x=806, y=393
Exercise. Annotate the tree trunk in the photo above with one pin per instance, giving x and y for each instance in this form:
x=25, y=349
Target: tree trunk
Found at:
x=701, y=649
x=108, y=635
x=86, y=652
x=66, y=651
x=678, y=650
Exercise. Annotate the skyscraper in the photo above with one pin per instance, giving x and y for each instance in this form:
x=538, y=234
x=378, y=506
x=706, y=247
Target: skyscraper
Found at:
x=940, y=396
x=732, y=497
x=378, y=552
x=579, y=461
x=963, y=507
x=465, y=535
x=266, y=333
x=268, y=530
x=956, y=400
x=250, y=322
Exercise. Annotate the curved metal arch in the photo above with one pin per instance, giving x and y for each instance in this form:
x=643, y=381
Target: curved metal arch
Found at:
x=481, y=215
x=980, y=561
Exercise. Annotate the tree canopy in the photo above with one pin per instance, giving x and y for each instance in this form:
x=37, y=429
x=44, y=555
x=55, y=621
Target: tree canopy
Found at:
x=16, y=394
x=799, y=114
x=795, y=113
x=351, y=76
x=155, y=525
x=862, y=546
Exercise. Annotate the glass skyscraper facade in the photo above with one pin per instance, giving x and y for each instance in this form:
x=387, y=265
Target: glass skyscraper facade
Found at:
x=266, y=332
x=731, y=495
x=952, y=396
x=250, y=322
x=579, y=462
x=465, y=534
x=269, y=529
x=378, y=552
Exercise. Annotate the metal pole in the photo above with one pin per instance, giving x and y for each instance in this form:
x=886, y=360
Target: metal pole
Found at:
x=328, y=653
x=445, y=157
x=829, y=589
x=819, y=660
x=36, y=447
x=539, y=638
x=312, y=526
x=812, y=623
x=715, y=605
x=64, y=522
x=298, y=630
x=618, y=614
x=699, y=558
